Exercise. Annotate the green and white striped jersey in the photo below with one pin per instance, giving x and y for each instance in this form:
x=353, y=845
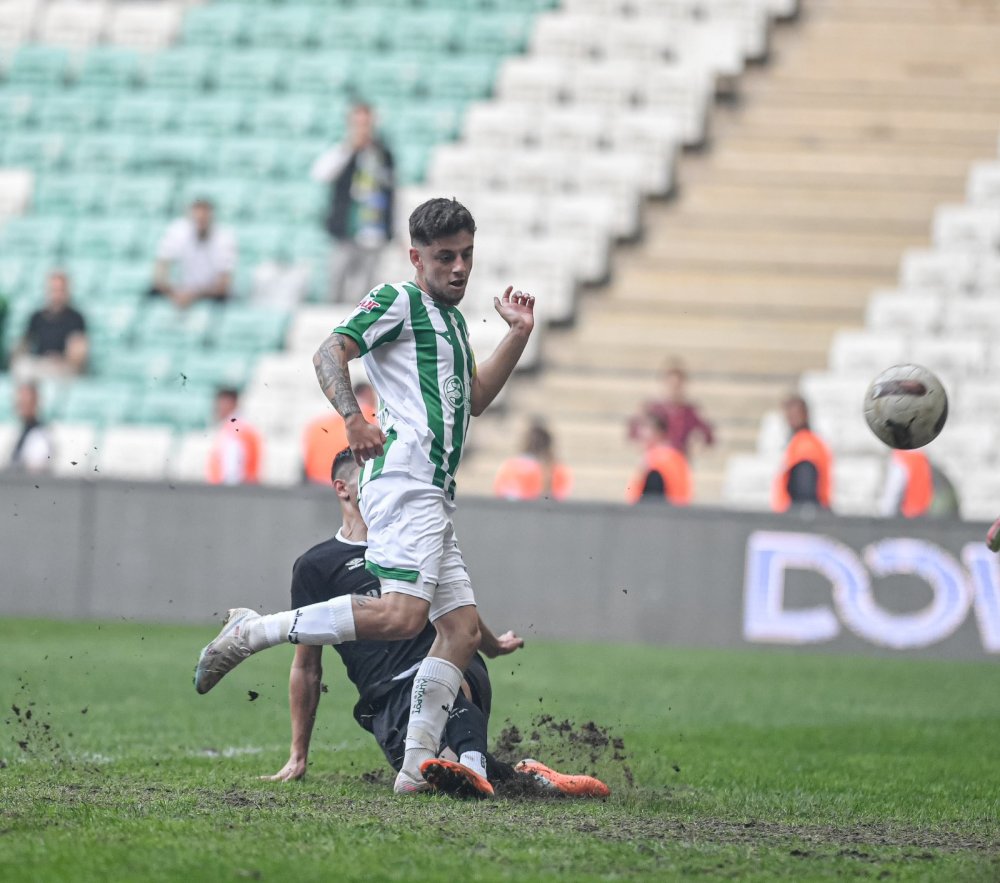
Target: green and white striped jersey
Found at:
x=417, y=355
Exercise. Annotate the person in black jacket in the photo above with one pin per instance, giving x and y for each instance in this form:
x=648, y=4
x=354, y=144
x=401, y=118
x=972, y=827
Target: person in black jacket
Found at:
x=360, y=174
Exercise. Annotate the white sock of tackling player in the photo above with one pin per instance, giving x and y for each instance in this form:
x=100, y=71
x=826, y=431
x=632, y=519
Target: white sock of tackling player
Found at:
x=475, y=761
x=329, y=622
x=435, y=687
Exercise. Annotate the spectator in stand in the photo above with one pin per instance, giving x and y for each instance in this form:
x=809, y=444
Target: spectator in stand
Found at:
x=664, y=475
x=535, y=472
x=676, y=411
x=361, y=178
x=55, y=342
x=235, y=457
x=195, y=259
x=33, y=450
x=326, y=436
x=806, y=477
x=915, y=488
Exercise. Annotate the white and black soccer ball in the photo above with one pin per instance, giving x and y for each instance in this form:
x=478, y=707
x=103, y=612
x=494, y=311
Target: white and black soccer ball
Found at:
x=906, y=406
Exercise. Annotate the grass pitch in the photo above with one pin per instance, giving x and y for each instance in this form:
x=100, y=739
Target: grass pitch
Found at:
x=748, y=765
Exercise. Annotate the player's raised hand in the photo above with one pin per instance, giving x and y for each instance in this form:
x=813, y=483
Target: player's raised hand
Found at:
x=517, y=309
x=292, y=771
x=366, y=440
x=508, y=642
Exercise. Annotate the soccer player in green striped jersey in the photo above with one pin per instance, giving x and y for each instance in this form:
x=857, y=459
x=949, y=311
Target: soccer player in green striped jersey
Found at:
x=414, y=344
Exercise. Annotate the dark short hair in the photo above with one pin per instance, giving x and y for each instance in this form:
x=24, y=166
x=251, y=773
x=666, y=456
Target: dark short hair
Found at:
x=203, y=202
x=342, y=463
x=227, y=392
x=439, y=218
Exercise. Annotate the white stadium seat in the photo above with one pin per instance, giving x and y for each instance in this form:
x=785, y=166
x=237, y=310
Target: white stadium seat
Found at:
x=500, y=124
x=967, y=228
x=682, y=94
x=966, y=442
x=568, y=35
x=909, y=311
x=145, y=25
x=73, y=23
x=866, y=352
x=533, y=81
x=16, y=187
x=836, y=393
x=984, y=184
x=748, y=481
x=311, y=325
x=136, y=452
x=190, y=463
x=971, y=315
x=281, y=462
x=857, y=484
x=772, y=437
x=976, y=398
x=9, y=434
x=949, y=273
x=17, y=21
x=950, y=357
x=75, y=450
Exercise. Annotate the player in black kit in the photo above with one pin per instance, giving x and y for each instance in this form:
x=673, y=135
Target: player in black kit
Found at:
x=383, y=673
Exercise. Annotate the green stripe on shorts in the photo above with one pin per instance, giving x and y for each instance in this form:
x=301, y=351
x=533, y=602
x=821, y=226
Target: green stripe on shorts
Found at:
x=403, y=573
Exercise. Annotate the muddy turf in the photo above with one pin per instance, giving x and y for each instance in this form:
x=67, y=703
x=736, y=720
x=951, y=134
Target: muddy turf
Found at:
x=724, y=766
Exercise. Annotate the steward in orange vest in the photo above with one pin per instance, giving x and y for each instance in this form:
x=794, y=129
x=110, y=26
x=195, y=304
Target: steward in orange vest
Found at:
x=664, y=474
x=326, y=436
x=235, y=457
x=909, y=485
x=535, y=473
x=806, y=472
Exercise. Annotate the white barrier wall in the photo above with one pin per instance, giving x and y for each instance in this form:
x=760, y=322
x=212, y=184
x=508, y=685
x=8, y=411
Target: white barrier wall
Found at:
x=580, y=571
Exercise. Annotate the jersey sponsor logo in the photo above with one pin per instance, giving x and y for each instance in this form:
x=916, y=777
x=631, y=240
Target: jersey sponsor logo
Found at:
x=368, y=304
x=454, y=390
x=355, y=563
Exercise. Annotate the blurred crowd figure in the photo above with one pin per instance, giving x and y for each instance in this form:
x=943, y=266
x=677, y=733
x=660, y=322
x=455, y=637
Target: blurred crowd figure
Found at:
x=196, y=258
x=33, y=449
x=326, y=436
x=535, y=473
x=54, y=344
x=237, y=449
x=360, y=174
x=681, y=416
x=806, y=476
x=664, y=475
x=916, y=488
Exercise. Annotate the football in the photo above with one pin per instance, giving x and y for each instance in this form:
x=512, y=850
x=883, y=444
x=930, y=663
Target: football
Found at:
x=906, y=406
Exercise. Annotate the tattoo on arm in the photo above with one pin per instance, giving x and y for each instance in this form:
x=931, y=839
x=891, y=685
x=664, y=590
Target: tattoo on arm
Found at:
x=330, y=362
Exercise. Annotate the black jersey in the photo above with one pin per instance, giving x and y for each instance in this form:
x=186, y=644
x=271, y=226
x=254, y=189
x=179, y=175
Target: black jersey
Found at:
x=337, y=567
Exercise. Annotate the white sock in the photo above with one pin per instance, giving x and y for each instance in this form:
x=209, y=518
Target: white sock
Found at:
x=329, y=622
x=434, y=690
x=475, y=761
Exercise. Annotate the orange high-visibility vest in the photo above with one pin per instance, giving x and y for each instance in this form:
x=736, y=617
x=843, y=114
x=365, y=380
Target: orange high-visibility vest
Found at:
x=805, y=447
x=525, y=478
x=919, y=483
x=247, y=443
x=323, y=439
x=673, y=466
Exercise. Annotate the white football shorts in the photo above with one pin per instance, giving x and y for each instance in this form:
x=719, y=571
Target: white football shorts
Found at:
x=412, y=547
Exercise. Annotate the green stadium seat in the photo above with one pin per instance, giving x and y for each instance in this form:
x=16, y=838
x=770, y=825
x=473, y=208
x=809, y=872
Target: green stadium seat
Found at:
x=70, y=112
x=180, y=71
x=216, y=25
x=185, y=154
x=229, y=195
x=216, y=369
x=142, y=114
x=302, y=202
x=127, y=281
x=6, y=398
x=34, y=236
x=251, y=329
x=109, y=238
x=16, y=110
x=108, y=153
x=411, y=162
x=146, y=196
x=354, y=30
x=249, y=70
x=86, y=275
x=329, y=74
x=164, y=324
x=98, y=401
x=430, y=122
x=70, y=195
x=151, y=366
x=109, y=68
x=464, y=78
x=495, y=33
x=298, y=156
x=40, y=66
x=212, y=116
x=40, y=151
x=390, y=77
x=292, y=115
x=112, y=323
x=13, y=274
x=261, y=242
x=286, y=27
x=432, y=30
x=184, y=407
x=252, y=157
x=311, y=245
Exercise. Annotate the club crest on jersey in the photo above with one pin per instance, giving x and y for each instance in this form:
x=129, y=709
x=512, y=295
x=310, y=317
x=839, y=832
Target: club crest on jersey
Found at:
x=454, y=390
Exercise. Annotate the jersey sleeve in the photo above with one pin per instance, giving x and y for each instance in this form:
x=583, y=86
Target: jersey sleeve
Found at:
x=380, y=318
x=305, y=583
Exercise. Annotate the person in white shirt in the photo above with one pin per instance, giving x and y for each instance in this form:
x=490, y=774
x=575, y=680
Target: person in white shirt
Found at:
x=360, y=175
x=33, y=449
x=196, y=258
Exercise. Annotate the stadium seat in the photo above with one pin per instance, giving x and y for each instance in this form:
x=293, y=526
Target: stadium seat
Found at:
x=164, y=325
x=17, y=19
x=146, y=196
x=40, y=151
x=111, y=154
x=249, y=329
x=984, y=184
x=295, y=116
x=141, y=365
x=109, y=69
x=972, y=316
x=180, y=71
x=950, y=357
x=39, y=67
x=74, y=449
x=191, y=460
x=913, y=311
x=212, y=116
x=111, y=324
x=230, y=196
x=127, y=280
x=183, y=407
x=433, y=30
x=967, y=228
x=250, y=70
x=142, y=114
x=36, y=237
x=16, y=109
x=109, y=238
x=863, y=352
x=16, y=186
x=214, y=369
x=72, y=23
x=13, y=274
x=460, y=78
x=252, y=157
x=281, y=464
x=86, y=276
x=948, y=273
x=748, y=481
x=288, y=27
x=70, y=112
x=144, y=24
x=857, y=484
x=288, y=202
x=217, y=25
x=326, y=74
x=98, y=401
x=533, y=80
x=180, y=154
x=136, y=452
x=358, y=29
x=389, y=77
x=494, y=33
